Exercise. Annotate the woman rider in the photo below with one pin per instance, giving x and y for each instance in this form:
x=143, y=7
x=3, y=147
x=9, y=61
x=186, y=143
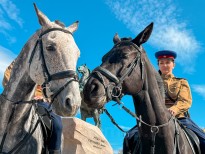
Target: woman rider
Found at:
x=178, y=100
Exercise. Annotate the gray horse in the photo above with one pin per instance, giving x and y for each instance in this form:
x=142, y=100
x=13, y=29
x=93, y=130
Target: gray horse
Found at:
x=87, y=112
x=48, y=58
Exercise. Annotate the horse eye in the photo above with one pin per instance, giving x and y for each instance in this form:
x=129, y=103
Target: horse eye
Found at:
x=50, y=48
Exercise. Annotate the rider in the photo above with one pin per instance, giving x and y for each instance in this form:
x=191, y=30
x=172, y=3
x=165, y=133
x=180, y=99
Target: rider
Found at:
x=178, y=100
x=178, y=97
x=54, y=142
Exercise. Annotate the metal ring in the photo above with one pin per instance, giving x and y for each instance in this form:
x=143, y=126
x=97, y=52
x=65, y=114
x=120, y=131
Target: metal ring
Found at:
x=48, y=86
x=118, y=91
x=155, y=130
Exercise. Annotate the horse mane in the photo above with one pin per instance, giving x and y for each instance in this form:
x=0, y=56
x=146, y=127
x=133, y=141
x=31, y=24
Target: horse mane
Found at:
x=126, y=39
x=20, y=59
x=160, y=83
x=157, y=76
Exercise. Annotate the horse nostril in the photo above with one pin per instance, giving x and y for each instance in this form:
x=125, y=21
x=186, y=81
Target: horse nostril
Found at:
x=93, y=88
x=68, y=103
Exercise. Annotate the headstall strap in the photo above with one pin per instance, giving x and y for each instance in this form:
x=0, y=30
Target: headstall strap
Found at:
x=47, y=76
x=112, y=90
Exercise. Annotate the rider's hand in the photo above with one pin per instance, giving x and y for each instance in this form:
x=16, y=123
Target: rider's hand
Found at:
x=171, y=111
x=38, y=97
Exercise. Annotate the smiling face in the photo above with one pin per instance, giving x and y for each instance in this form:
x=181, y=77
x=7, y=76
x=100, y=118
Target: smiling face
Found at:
x=166, y=65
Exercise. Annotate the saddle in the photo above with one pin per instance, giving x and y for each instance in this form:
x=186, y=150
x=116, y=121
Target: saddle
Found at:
x=192, y=139
x=46, y=121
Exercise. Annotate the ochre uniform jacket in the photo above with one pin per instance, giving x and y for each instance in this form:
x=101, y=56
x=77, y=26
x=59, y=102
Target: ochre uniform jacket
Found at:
x=7, y=74
x=177, y=94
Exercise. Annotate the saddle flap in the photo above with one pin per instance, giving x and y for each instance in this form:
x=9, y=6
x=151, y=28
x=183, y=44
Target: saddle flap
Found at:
x=194, y=139
x=45, y=116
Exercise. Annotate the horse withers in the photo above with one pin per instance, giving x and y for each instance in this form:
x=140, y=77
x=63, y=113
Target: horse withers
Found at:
x=49, y=59
x=126, y=70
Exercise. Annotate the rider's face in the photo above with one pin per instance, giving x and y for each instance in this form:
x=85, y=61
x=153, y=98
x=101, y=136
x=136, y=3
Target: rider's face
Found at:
x=166, y=65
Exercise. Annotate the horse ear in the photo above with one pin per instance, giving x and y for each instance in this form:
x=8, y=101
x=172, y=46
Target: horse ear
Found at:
x=116, y=39
x=43, y=19
x=72, y=28
x=144, y=35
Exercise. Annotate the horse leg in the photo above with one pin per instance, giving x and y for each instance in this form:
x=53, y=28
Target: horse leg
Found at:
x=99, y=122
x=83, y=115
x=96, y=118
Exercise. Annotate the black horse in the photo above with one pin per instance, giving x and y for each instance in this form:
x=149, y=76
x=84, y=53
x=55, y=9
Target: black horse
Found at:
x=126, y=69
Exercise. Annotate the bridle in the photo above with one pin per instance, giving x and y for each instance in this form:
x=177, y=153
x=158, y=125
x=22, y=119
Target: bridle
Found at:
x=114, y=91
x=70, y=74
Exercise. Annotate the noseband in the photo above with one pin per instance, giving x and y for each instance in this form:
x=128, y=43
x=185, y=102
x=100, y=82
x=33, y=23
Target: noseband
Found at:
x=71, y=74
x=115, y=91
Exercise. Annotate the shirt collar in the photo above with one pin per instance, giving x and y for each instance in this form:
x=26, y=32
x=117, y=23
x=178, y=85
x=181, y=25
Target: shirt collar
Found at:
x=167, y=76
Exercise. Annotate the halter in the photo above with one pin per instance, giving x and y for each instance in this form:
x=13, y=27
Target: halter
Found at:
x=71, y=74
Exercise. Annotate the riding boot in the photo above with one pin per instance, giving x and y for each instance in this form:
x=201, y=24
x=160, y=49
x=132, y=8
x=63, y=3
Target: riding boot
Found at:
x=54, y=152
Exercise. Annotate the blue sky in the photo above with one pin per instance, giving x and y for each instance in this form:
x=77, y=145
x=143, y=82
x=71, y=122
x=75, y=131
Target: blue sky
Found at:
x=178, y=25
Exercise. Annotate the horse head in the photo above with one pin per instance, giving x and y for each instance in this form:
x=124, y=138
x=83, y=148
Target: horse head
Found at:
x=126, y=70
x=83, y=69
x=52, y=64
x=116, y=75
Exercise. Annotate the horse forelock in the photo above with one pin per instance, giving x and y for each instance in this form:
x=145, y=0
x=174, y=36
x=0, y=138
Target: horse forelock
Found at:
x=124, y=45
x=66, y=49
x=126, y=39
x=60, y=23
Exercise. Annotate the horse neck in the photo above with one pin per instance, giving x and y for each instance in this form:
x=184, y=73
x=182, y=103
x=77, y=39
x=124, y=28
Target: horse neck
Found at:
x=20, y=84
x=19, y=87
x=150, y=106
x=153, y=100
